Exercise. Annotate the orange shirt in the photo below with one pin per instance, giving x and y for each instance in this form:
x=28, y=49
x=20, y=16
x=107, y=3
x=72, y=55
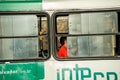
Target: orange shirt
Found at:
x=63, y=52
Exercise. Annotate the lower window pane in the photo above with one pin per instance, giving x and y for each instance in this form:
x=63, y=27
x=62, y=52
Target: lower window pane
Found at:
x=90, y=46
x=19, y=48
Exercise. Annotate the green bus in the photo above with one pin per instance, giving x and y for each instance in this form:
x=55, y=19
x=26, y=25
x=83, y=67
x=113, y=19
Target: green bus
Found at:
x=30, y=37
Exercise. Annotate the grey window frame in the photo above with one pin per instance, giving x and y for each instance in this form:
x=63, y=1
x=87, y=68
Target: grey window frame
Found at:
x=66, y=13
x=38, y=13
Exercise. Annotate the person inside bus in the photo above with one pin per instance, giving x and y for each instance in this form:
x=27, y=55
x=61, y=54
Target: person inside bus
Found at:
x=63, y=52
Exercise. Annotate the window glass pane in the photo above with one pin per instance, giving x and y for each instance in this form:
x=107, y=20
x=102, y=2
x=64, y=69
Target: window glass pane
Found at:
x=19, y=48
x=92, y=23
x=90, y=46
x=78, y=46
x=102, y=45
x=25, y=25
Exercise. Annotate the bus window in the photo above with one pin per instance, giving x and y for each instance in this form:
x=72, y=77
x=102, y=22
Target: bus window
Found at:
x=24, y=37
x=90, y=34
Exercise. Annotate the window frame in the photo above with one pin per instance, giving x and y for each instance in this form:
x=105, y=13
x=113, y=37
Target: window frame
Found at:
x=39, y=14
x=66, y=13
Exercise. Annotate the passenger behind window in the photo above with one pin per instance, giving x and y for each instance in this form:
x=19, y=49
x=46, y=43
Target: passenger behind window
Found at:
x=63, y=52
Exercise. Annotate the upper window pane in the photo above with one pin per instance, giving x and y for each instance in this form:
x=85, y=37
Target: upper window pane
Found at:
x=88, y=23
x=19, y=25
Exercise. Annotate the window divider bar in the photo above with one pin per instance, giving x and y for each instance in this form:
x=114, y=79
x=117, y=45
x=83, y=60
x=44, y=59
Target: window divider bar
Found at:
x=99, y=34
x=18, y=37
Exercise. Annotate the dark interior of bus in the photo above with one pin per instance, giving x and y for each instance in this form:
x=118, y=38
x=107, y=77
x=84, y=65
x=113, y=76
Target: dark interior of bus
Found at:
x=117, y=50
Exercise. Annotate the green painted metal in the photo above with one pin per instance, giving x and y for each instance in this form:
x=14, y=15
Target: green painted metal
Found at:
x=22, y=71
x=20, y=5
x=17, y=1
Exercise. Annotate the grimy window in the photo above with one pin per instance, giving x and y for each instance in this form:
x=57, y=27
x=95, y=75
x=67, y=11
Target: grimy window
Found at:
x=89, y=34
x=24, y=36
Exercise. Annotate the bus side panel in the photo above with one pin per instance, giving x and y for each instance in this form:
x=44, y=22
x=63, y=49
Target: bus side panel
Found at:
x=79, y=4
x=82, y=70
x=22, y=71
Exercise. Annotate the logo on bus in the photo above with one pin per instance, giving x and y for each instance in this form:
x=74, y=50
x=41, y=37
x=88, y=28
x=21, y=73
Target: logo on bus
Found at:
x=84, y=73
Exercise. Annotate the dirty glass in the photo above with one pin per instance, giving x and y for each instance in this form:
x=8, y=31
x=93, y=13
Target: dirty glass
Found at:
x=89, y=46
x=18, y=48
x=90, y=34
x=23, y=37
x=26, y=25
x=93, y=23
